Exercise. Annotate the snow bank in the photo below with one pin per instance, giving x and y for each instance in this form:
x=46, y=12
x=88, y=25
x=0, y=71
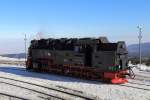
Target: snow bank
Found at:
x=10, y=59
x=143, y=67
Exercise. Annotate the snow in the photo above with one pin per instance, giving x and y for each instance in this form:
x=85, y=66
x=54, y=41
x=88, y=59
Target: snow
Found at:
x=143, y=67
x=11, y=59
x=103, y=91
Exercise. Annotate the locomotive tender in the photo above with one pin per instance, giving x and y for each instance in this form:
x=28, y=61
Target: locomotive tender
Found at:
x=90, y=58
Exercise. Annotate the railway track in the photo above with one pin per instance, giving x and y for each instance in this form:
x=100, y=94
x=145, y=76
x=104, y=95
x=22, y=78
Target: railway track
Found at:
x=137, y=86
x=139, y=82
x=33, y=90
x=66, y=93
x=58, y=88
x=13, y=97
x=142, y=78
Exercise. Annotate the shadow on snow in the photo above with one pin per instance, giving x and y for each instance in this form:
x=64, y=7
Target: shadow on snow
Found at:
x=54, y=77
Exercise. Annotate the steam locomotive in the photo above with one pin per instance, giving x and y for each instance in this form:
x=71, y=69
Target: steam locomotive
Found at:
x=89, y=58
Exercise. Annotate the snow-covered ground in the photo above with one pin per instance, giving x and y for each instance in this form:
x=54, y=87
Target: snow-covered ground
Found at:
x=11, y=59
x=134, y=90
x=143, y=67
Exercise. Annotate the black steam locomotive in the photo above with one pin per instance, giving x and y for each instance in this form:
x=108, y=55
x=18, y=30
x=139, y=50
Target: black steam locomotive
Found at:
x=90, y=58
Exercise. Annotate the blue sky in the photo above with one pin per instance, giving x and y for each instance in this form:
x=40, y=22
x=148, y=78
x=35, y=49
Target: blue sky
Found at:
x=116, y=19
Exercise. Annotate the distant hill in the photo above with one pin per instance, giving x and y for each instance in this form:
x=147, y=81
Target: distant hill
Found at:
x=19, y=55
x=134, y=49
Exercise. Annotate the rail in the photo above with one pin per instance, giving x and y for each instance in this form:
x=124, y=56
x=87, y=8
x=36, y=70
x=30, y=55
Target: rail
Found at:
x=66, y=91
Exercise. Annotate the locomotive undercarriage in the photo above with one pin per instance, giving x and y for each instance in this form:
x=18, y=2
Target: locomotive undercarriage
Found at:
x=83, y=72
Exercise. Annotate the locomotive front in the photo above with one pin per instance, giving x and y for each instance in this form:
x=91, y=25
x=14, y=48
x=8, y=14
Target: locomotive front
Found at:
x=112, y=59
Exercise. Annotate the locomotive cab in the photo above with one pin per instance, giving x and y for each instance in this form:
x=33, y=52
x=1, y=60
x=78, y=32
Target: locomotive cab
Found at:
x=122, y=55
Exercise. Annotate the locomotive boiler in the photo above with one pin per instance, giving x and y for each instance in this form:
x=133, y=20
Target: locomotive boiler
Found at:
x=89, y=58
